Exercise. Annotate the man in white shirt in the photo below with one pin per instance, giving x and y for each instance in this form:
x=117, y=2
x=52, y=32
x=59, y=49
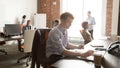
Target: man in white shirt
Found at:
x=91, y=23
x=23, y=20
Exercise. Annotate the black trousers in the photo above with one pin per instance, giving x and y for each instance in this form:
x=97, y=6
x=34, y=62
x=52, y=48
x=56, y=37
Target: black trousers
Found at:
x=54, y=58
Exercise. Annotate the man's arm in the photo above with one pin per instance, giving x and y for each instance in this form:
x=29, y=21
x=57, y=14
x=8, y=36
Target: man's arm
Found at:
x=71, y=53
x=72, y=46
x=75, y=53
x=93, y=21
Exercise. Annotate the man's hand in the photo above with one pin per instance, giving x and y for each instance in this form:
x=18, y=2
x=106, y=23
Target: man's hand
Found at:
x=80, y=46
x=88, y=53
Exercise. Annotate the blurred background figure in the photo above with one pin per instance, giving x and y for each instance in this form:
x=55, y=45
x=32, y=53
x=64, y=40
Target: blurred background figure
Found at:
x=24, y=21
x=85, y=33
x=28, y=26
x=91, y=23
x=55, y=23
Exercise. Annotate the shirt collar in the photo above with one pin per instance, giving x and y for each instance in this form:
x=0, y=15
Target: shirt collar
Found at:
x=61, y=29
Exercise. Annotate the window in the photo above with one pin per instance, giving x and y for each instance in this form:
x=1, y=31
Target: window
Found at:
x=79, y=9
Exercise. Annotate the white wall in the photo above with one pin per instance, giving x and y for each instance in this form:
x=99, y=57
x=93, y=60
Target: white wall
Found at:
x=12, y=10
x=40, y=20
x=103, y=17
x=115, y=16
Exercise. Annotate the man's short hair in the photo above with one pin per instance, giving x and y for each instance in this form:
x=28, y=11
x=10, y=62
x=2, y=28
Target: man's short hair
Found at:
x=89, y=12
x=24, y=16
x=65, y=15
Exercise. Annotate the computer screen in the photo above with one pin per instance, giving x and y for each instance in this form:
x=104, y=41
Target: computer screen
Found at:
x=12, y=29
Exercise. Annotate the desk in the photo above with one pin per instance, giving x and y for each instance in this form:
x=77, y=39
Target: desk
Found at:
x=101, y=42
x=107, y=60
x=10, y=39
x=73, y=63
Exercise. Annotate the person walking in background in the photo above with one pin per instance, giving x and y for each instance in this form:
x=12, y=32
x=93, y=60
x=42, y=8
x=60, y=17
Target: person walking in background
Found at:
x=91, y=23
x=58, y=45
x=85, y=33
x=24, y=21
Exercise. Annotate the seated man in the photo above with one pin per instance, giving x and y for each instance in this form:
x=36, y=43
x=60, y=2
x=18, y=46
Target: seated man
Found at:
x=27, y=26
x=85, y=33
x=57, y=43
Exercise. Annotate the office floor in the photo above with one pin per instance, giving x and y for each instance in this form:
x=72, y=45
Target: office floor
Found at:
x=10, y=60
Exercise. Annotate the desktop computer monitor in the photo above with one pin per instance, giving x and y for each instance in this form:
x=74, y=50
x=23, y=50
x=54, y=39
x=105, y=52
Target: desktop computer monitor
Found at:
x=12, y=29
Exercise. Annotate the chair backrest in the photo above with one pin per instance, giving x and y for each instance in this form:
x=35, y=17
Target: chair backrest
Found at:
x=28, y=40
x=39, y=47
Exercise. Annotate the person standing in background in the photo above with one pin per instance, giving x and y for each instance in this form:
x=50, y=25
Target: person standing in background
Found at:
x=24, y=21
x=91, y=23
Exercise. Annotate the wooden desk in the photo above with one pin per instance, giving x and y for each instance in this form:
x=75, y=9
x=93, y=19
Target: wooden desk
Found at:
x=107, y=60
x=101, y=42
x=73, y=63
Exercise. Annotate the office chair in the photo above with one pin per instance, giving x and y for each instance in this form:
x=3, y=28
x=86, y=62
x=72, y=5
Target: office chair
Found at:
x=39, y=49
x=28, y=40
x=2, y=50
x=2, y=42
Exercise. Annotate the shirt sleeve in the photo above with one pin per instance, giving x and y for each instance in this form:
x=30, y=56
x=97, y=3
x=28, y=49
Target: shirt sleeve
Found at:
x=93, y=21
x=57, y=42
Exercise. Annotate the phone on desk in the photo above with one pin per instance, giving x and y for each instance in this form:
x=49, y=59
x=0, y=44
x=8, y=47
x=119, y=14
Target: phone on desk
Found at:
x=99, y=47
x=114, y=48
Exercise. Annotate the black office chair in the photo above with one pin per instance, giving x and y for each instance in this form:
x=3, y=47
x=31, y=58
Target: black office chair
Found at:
x=39, y=49
x=2, y=50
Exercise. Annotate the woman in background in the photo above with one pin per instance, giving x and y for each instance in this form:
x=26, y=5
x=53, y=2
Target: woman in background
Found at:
x=85, y=33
